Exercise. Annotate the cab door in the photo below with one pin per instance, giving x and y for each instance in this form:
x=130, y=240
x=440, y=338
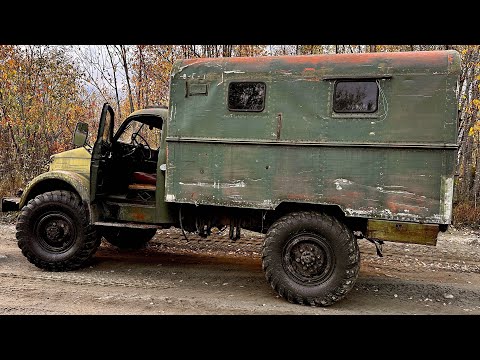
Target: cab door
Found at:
x=102, y=155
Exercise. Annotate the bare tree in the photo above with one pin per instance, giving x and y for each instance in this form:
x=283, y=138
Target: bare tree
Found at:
x=114, y=71
x=122, y=53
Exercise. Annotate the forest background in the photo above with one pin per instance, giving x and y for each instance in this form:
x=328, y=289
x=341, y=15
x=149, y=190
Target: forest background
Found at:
x=46, y=89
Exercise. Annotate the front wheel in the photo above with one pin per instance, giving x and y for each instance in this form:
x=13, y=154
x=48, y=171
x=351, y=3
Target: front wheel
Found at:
x=310, y=258
x=54, y=231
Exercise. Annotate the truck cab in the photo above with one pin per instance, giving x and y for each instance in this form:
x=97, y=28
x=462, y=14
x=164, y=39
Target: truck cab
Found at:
x=127, y=173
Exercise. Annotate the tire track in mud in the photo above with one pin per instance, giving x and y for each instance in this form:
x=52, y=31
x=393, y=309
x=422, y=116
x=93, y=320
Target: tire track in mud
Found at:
x=85, y=280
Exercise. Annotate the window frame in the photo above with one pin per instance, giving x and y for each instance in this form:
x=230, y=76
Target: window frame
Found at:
x=247, y=82
x=351, y=112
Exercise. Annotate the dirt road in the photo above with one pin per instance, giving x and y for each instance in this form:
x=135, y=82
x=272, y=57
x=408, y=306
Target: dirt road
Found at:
x=216, y=276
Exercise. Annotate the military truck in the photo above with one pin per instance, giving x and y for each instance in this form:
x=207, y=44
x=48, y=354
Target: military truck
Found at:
x=314, y=151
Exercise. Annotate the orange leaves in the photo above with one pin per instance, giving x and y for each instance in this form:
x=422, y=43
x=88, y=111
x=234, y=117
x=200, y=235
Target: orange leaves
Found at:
x=41, y=99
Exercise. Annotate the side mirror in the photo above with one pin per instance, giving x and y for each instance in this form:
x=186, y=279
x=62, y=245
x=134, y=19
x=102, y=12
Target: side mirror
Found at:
x=80, y=134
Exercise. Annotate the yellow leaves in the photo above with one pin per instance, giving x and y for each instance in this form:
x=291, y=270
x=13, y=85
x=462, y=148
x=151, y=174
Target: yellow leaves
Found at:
x=475, y=129
x=476, y=102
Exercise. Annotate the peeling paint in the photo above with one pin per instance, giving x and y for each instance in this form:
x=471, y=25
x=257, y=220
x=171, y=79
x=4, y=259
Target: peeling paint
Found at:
x=235, y=197
x=447, y=198
x=174, y=112
x=221, y=82
x=234, y=72
x=339, y=182
x=217, y=185
x=344, y=182
x=170, y=197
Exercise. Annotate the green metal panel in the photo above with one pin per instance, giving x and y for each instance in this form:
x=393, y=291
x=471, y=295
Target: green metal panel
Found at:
x=119, y=211
x=397, y=163
x=163, y=211
x=98, y=180
x=384, y=183
x=415, y=96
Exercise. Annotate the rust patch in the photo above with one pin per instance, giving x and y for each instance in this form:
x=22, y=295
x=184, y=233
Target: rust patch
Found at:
x=138, y=216
x=194, y=196
x=397, y=58
x=398, y=207
x=234, y=60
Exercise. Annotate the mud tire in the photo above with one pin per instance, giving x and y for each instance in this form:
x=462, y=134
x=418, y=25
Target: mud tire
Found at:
x=54, y=232
x=310, y=258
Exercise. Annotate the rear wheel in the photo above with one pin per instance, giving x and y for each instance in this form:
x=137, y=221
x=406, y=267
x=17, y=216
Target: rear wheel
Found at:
x=128, y=238
x=54, y=231
x=310, y=258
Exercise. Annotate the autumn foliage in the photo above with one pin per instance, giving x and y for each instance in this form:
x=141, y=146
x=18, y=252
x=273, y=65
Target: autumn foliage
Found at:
x=41, y=99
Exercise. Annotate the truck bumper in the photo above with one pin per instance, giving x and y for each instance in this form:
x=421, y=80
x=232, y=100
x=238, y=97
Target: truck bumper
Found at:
x=10, y=204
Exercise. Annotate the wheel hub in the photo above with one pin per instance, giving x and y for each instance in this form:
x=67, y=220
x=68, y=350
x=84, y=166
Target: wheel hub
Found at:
x=55, y=231
x=308, y=258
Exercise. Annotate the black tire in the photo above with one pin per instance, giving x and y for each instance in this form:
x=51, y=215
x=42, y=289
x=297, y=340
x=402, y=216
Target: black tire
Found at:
x=54, y=232
x=310, y=258
x=128, y=238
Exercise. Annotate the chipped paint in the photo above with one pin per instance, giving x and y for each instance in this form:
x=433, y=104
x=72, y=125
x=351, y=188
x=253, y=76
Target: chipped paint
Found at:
x=447, y=199
x=234, y=72
x=169, y=197
x=221, y=82
x=345, y=182
x=342, y=181
x=217, y=184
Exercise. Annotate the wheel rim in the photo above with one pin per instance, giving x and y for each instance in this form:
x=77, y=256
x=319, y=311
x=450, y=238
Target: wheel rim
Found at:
x=308, y=259
x=55, y=232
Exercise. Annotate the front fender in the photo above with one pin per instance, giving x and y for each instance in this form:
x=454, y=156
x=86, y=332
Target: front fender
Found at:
x=57, y=180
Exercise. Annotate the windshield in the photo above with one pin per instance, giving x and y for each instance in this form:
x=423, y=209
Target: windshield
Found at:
x=142, y=133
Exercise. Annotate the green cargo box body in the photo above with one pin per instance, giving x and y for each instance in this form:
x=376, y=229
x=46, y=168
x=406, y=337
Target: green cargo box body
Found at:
x=395, y=164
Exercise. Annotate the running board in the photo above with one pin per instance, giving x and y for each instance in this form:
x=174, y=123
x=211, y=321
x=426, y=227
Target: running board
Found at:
x=127, y=224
